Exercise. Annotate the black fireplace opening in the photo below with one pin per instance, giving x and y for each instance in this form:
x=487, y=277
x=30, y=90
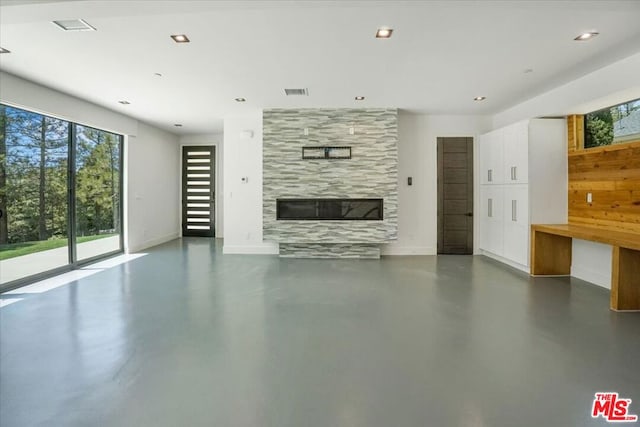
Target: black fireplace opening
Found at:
x=329, y=209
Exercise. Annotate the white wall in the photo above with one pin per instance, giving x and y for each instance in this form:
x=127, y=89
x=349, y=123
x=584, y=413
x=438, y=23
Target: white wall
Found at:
x=151, y=173
x=613, y=84
x=153, y=182
x=30, y=96
x=417, y=158
x=215, y=139
x=591, y=261
x=243, y=199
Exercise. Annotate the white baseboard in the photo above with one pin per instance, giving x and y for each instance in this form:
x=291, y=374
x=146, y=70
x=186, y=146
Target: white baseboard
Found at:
x=393, y=250
x=591, y=262
x=152, y=242
x=264, y=249
x=592, y=276
x=524, y=268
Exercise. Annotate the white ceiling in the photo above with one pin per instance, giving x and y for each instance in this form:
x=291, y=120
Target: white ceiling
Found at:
x=441, y=55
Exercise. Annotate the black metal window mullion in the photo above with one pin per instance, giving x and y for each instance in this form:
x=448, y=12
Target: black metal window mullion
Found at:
x=121, y=195
x=73, y=253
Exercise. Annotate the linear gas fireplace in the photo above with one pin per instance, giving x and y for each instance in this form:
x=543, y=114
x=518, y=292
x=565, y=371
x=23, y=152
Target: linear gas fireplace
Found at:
x=329, y=209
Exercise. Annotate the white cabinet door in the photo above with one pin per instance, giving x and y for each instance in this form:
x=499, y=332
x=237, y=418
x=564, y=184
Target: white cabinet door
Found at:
x=516, y=153
x=483, y=214
x=491, y=219
x=516, y=204
x=516, y=223
x=491, y=157
x=484, y=150
x=516, y=243
x=487, y=158
x=497, y=157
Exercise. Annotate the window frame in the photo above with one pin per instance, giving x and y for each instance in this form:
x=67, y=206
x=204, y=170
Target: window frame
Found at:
x=635, y=138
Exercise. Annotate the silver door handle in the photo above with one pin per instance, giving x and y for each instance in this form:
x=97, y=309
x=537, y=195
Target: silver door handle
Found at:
x=490, y=175
x=514, y=210
x=490, y=208
x=514, y=173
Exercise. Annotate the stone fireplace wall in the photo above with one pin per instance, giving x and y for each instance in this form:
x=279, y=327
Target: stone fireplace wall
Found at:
x=371, y=172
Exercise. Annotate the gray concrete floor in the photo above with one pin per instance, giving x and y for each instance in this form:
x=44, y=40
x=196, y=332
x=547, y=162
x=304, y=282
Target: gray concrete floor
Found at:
x=188, y=337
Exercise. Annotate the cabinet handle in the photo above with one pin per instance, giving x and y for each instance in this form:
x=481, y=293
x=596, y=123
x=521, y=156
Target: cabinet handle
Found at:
x=514, y=173
x=514, y=210
x=490, y=208
x=490, y=175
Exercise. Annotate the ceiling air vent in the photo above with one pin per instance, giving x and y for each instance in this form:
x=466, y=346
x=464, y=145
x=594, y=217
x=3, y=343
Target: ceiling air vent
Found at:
x=297, y=92
x=74, y=25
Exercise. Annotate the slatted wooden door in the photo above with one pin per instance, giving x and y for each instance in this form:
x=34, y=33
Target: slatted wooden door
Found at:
x=455, y=195
x=198, y=191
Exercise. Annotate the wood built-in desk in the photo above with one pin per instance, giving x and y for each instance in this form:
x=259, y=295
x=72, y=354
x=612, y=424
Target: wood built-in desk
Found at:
x=551, y=256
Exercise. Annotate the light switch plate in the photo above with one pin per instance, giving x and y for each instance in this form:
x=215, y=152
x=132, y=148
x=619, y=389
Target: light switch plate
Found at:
x=589, y=198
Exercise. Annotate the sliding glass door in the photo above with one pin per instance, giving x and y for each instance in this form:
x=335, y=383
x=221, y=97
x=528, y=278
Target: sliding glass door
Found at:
x=53, y=216
x=34, y=152
x=97, y=189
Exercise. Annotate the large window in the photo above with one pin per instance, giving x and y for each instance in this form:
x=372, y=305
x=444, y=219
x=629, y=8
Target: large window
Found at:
x=613, y=125
x=60, y=194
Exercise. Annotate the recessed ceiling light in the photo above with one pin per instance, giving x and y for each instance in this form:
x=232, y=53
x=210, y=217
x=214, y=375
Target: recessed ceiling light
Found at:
x=240, y=99
x=180, y=38
x=384, y=33
x=74, y=25
x=3, y=50
x=586, y=36
x=479, y=98
x=359, y=98
x=123, y=102
x=178, y=125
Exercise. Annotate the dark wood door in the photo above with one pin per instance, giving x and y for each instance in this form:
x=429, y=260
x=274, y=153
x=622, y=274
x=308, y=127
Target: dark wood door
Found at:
x=455, y=195
x=198, y=191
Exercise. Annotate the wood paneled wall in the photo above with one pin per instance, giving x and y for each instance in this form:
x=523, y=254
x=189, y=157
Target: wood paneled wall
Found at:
x=575, y=132
x=612, y=175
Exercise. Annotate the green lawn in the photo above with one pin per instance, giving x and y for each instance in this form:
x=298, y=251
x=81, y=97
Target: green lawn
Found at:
x=26, y=248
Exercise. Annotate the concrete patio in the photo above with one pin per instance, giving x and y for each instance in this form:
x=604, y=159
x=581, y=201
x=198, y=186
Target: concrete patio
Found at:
x=16, y=268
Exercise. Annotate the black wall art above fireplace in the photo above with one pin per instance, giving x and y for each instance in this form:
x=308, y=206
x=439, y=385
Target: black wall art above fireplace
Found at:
x=314, y=153
x=329, y=209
